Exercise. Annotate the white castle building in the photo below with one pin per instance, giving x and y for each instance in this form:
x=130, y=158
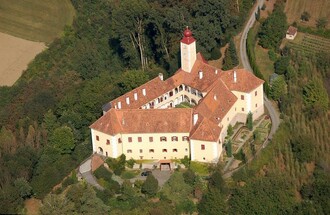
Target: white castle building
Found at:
x=144, y=123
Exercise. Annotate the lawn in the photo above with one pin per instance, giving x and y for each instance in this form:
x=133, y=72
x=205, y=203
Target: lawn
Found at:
x=201, y=169
x=184, y=105
x=266, y=66
x=35, y=20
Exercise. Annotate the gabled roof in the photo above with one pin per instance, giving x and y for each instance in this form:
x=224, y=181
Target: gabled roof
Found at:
x=116, y=121
x=206, y=130
x=291, y=30
x=245, y=81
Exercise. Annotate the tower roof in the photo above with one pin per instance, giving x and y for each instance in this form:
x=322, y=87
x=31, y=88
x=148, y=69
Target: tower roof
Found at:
x=187, y=36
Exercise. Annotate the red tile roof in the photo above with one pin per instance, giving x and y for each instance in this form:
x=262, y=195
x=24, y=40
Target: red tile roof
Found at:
x=219, y=99
x=245, y=81
x=177, y=120
x=292, y=30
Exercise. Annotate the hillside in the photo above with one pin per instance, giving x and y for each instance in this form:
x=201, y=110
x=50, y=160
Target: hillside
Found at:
x=316, y=8
x=35, y=20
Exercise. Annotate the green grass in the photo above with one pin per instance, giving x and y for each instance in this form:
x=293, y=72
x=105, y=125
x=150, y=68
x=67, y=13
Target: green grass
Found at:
x=184, y=105
x=201, y=169
x=129, y=174
x=266, y=66
x=36, y=20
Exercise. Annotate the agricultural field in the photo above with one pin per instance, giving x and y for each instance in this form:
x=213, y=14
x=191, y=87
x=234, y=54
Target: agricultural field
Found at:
x=309, y=44
x=316, y=8
x=15, y=54
x=35, y=20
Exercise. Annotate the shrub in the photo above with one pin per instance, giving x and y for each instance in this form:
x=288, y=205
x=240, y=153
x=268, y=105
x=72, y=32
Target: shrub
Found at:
x=272, y=55
x=102, y=172
x=68, y=181
x=130, y=163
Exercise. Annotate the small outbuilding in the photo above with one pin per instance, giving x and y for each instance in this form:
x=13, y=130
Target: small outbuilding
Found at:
x=291, y=33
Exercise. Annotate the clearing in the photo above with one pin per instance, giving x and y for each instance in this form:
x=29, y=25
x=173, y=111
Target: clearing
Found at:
x=316, y=8
x=35, y=20
x=15, y=55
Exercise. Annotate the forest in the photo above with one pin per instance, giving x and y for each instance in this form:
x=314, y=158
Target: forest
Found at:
x=44, y=117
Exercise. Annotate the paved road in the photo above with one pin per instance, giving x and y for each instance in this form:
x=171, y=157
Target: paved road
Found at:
x=274, y=114
x=85, y=170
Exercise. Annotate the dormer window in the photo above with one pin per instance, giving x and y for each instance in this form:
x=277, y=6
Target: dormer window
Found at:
x=144, y=92
x=135, y=96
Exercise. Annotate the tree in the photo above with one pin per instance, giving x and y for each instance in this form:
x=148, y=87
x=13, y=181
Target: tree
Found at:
x=305, y=16
x=130, y=19
x=303, y=148
x=315, y=95
x=150, y=186
x=281, y=65
x=231, y=59
x=57, y=204
x=189, y=177
x=321, y=23
x=62, y=139
x=273, y=29
x=257, y=14
x=132, y=79
x=229, y=148
x=278, y=88
x=23, y=187
x=230, y=130
x=249, y=121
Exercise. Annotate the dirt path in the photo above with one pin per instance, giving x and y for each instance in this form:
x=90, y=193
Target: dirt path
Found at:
x=15, y=55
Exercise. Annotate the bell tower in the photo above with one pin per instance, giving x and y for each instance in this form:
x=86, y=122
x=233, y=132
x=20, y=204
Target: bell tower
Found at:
x=188, y=50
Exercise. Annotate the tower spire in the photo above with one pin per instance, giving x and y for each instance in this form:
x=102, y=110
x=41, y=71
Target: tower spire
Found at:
x=188, y=50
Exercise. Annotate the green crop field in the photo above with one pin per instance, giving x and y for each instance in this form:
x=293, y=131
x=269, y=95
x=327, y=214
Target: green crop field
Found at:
x=36, y=20
x=310, y=44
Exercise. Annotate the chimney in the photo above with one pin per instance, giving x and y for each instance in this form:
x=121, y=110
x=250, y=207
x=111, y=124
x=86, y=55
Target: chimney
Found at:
x=195, y=118
x=235, y=77
x=127, y=100
x=200, y=74
x=144, y=92
x=119, y=105
x=135, y=96
x=161, y=77
x=216, y=71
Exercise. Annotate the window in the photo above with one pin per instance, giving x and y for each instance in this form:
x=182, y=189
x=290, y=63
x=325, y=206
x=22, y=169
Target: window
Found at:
x=141, y=150
x=129, y=150
x=256, y=93
x=164, y=150
x=140, y=139
x=171, y=93
x=202, y=147
x=235, y=109
x=242, y=109
x=108, y=142
x=186, y=149
x=175, y=150
x=242, y=97
x=151, y=139
x=97, y=138
x=119, y=140
x=130, y=139
x=256, y=105
x=151, y=150
x=163, y=138
x=227, y=118
x=185, y=138
x=174, y=138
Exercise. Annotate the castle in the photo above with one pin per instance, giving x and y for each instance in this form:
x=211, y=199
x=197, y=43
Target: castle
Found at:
x=144, y=123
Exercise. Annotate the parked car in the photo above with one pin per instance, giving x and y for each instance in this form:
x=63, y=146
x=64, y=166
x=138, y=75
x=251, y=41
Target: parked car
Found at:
x=146, y=173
